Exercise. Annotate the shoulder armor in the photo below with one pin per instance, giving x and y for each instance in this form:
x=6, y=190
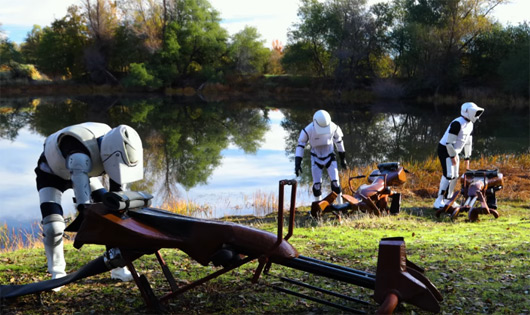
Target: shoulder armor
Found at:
x=86, y=133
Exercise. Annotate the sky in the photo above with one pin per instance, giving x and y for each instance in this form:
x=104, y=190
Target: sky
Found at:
x=272, y=18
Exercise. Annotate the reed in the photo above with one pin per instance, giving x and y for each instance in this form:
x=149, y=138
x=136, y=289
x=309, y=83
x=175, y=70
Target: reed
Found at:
x=424, y=177
x=12, y=239
x=263, y=203
x=186, y=207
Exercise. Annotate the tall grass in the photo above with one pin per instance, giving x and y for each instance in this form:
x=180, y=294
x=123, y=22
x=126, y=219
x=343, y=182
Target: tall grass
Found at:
x=12, y=239
x=186, y=207
x=424, y=177
x=262, y=203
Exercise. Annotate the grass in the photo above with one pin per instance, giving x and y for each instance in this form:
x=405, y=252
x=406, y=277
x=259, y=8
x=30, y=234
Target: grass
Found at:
x=479, y=267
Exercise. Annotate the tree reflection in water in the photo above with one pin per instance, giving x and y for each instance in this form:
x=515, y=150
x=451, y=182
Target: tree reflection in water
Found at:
x=184, y=138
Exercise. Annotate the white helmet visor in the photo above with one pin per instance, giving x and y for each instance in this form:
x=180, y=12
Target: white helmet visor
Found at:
x=122, y=155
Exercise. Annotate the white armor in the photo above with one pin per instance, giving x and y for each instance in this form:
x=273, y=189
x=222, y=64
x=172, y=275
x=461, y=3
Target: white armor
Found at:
x=120, y=156
x=457, y=138
x=455, y=143
x=53, y=229
x=321, y=144
x=86, y=133
x=80, y=166
x=321, y=134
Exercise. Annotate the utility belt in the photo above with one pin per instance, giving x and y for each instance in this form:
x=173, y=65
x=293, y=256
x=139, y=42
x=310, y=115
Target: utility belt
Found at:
x=327, y=165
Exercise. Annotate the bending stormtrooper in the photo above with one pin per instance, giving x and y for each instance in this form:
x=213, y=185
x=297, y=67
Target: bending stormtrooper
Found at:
x=457, y=138
x=322, y=134
x=74, y=157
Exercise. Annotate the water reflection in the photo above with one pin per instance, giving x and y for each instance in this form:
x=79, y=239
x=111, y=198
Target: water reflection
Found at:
x=213, y=152
x=412, y=134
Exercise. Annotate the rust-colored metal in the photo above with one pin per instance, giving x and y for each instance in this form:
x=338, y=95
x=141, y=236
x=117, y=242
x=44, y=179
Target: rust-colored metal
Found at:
x=142, y=231
x=477, y=185
x=200, y=239
x=371, y=198
x=395, y=276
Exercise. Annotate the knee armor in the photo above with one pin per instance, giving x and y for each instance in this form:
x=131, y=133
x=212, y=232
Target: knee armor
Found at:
x=317, y=189
x=53, y=229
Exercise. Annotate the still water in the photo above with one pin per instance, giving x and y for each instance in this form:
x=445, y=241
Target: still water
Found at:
x=223, y=157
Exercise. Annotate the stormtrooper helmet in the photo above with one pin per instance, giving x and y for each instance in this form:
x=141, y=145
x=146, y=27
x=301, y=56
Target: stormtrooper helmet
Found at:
x=122, y=155
x=471, y=111
x=322, y=122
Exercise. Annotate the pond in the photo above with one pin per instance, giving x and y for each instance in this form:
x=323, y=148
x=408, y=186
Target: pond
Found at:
x=226, y=158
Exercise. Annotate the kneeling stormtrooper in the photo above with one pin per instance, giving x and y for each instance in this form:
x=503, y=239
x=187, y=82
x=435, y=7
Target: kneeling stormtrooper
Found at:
x=74, y=157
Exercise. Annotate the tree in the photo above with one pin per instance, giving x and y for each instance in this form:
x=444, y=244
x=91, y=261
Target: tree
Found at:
x=194, y=42
x=9, y=52
x=247, y=53
x=31, y=43
x=60, y=47
x=500, y=55
x=340, y=37
x=102, y=23
x=274, y=66
x=353, y=39
x=431, y=36
x=299, y=59
x=147, y=19
x=515, y=66
x=309, y=39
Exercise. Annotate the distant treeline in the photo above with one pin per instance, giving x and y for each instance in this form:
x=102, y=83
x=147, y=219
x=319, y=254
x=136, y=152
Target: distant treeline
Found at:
x=400, y=48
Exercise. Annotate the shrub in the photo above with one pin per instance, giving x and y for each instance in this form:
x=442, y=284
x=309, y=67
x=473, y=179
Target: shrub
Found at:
x=140, y=77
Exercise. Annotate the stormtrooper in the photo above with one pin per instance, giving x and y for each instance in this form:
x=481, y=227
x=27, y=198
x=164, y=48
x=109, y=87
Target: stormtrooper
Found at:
x=322, y=134
x=457, y=138
x=75, y=157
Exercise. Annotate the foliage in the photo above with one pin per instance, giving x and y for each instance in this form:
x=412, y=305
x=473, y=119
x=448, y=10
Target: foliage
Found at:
x=515, y=66
x=61, y=46
x=9, y=52
x=309, y=39
x=247, y=53
x=430, y=38
x=140, y=77
x=432, y=47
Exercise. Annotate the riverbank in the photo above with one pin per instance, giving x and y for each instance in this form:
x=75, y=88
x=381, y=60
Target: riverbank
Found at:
x=279, y=87
x=478, y=267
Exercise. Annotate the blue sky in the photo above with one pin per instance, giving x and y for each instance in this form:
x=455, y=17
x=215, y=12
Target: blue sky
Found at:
x=272, y=18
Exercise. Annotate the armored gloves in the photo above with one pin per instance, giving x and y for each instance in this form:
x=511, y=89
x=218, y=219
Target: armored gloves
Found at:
x=342, y=157
x=298, y=165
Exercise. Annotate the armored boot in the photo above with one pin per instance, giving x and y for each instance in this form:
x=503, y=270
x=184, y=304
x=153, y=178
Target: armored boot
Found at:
x=440, y=201
x=121, y=273
x=53, y=228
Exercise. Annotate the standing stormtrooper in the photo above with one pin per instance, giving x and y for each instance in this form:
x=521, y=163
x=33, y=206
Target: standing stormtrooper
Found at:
x=74, y=157
x=457, y=138
x=322, y=134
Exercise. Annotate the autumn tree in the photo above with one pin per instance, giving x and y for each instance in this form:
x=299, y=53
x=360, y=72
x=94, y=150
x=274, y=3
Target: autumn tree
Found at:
x=276, y=54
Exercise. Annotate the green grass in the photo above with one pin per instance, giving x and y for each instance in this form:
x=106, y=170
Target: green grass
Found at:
x=480, y=267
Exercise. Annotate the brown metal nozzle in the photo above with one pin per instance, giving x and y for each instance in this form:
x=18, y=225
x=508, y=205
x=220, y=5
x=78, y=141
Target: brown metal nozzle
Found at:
x=398, y=276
